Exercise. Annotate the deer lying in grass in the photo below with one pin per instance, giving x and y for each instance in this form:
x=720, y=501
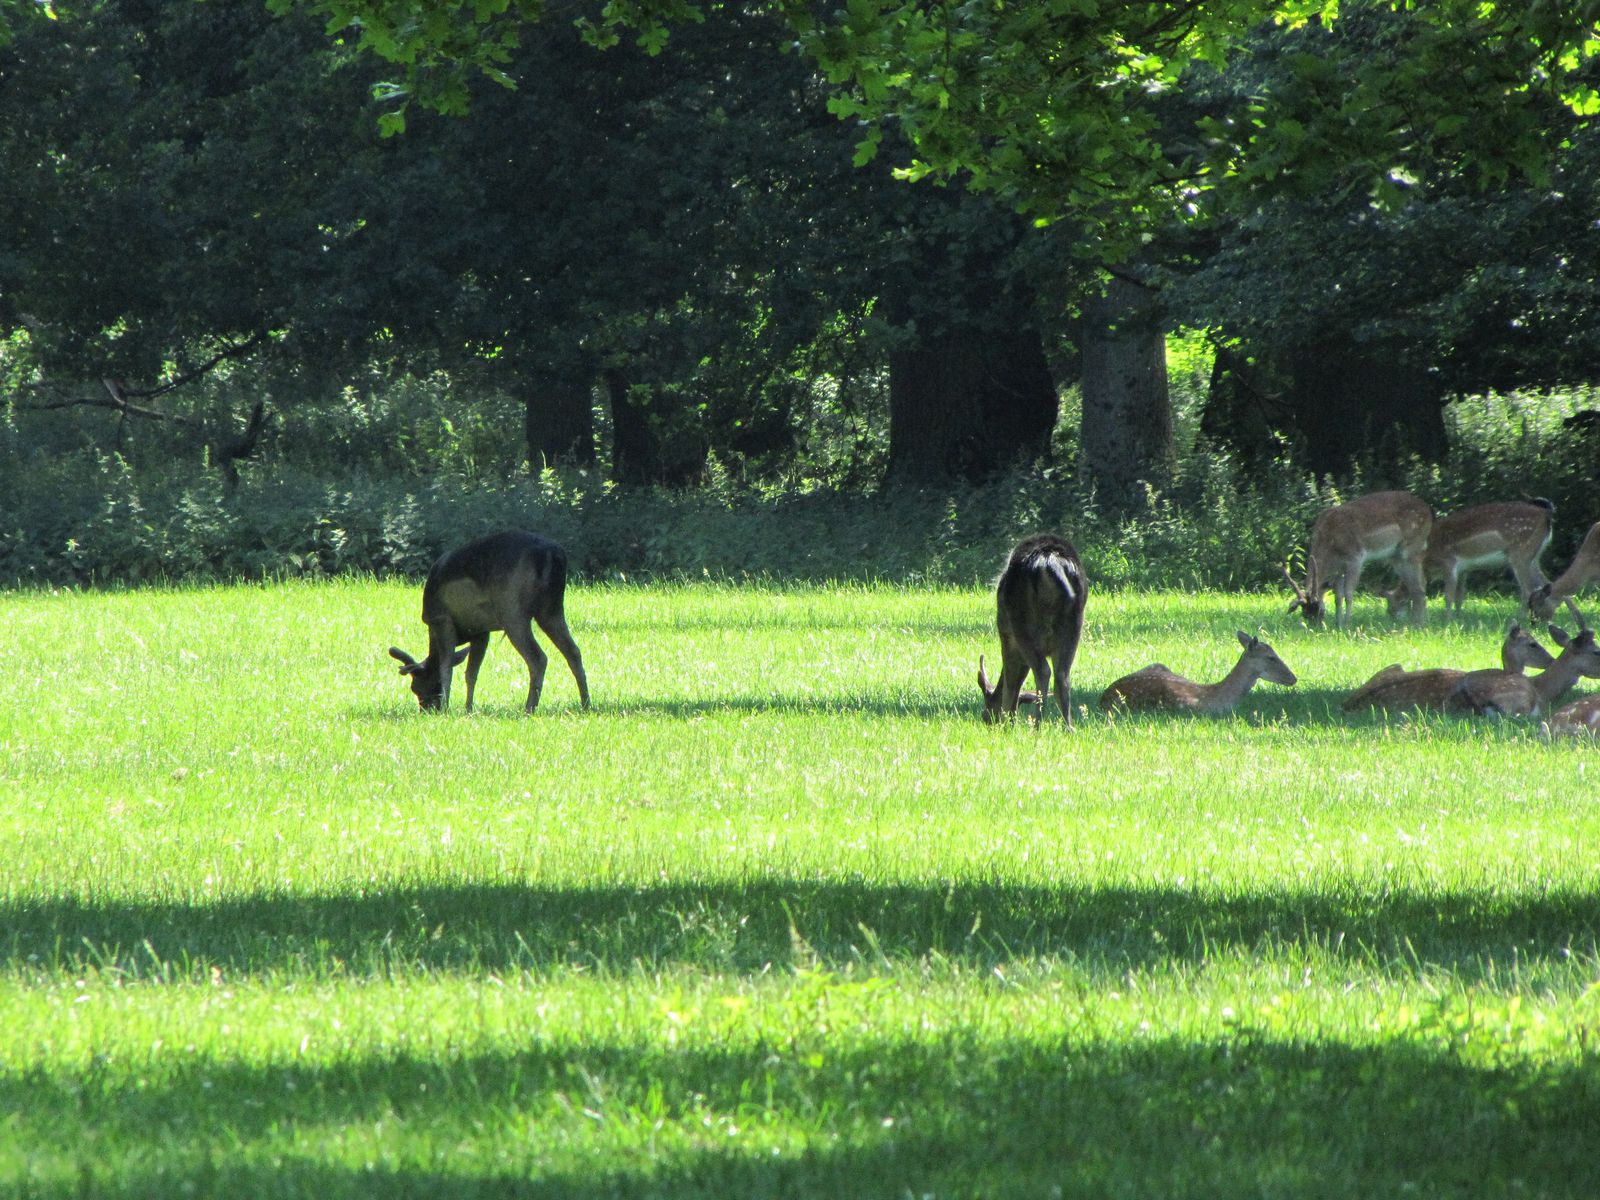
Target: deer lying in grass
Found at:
x=1383, y=525
x=1511, y=533
x=1396, y=688
x=505, y=581
x=1158, y=687
x=1504, y=694
x=1582, y=716
x=1039, y=599
x=1583, y=570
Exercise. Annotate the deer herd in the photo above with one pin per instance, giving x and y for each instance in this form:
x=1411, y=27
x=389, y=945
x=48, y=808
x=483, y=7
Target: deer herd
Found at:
x=511, y=581
x=1040, y=596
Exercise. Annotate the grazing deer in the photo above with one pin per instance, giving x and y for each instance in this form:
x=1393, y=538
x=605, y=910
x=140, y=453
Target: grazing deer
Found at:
x=1503, y=694
x=1581, y=716
x=1383, y=525
x=504, y=581
x=1512, y=533
x=1583, y=570
x=1039, y=599
x=1157, y=687
x=1396, y=688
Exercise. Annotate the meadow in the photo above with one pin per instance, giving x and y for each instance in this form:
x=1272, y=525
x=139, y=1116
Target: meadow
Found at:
x=780, y=916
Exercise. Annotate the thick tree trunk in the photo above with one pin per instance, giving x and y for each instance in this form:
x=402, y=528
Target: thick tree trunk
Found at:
x=649, y=446
x=559, y=420
x=1127, y=414
x=1334, y=403
x=968, y=405
x=1350, y=401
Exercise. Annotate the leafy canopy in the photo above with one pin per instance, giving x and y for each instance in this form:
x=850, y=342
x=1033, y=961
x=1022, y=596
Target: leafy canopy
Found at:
x=1056, y=104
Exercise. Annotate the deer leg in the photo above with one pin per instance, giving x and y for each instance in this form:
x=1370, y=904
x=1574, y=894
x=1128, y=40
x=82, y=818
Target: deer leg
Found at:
x=1064, y=687
x=1455, y=586
x=555, y=628
x=1528, y=577
x=1343, y=587
x=1040, y=666
x=1013, y=670
x=520, y=634
x=1410, y=571
x=475, y=652
x=442, y=649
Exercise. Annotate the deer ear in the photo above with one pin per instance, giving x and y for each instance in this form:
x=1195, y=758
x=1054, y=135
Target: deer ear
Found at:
x=459, y=657
x=1559, y=635
x=1245, y=639
x=408, y=665
x=983, y=678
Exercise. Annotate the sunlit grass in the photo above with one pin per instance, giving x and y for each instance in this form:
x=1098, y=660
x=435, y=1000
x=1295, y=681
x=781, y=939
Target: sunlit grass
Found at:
x=781, y=915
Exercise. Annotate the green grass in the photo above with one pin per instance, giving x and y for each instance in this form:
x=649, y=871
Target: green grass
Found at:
x=781, y=916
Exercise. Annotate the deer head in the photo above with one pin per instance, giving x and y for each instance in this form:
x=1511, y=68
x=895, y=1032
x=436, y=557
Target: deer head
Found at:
x=1307, y=599
x=426, y=683
x=991, y=695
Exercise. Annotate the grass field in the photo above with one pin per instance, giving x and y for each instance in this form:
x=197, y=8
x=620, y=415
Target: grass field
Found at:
x=781, y=916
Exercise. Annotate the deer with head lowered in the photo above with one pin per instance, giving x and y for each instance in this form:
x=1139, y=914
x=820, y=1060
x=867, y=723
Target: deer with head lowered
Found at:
x=1583, y=570
x=1513, y=533
x=1396, y=688
x=1039, y=599
x=1376, y=527
x=506, y=581
x=1504, y=694
x=1158, y=687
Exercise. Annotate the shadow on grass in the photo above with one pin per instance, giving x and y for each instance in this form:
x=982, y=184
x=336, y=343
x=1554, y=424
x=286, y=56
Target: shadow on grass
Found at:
x=1300, y=706
x=937, y=1116
x=736, y=927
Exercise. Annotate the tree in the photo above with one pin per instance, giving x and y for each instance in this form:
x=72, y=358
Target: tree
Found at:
x=1348, y=323
x=184, y=204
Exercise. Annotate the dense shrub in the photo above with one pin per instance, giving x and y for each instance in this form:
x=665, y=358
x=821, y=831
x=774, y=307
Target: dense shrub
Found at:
x=91, y=519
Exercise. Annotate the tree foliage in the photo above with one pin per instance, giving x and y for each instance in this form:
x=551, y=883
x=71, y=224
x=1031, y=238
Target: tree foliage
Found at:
x=1054, y=105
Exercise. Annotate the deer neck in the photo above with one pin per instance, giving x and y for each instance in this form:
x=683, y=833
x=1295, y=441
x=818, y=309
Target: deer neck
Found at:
x=1223, y=695
x=1556, y=680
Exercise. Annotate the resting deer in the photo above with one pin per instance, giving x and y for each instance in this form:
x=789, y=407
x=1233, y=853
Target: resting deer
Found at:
x=1383, y=525
x=1039, y=599
x=1501, y=693
x=1512, y=533
x=504, y=581
x=1396, y=688
x=1583, y=570
x=1581, y=716
x=1157, y=687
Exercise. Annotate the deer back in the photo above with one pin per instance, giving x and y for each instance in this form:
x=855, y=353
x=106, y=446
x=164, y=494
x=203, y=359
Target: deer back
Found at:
x=1040, y=594
x=485, y=584
x=1581, y=716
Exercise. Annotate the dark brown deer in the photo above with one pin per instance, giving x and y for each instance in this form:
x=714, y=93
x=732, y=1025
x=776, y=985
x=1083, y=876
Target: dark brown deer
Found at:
x=505, y=581
x=1039, y=600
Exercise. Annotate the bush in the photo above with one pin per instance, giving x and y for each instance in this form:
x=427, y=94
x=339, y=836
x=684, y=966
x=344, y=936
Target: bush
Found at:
x=92, y=519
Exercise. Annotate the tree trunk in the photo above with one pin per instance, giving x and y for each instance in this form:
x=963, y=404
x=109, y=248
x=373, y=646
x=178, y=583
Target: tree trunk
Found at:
x=1127, y=413
x=1333, y=402
x=650, y=444
x=1351, y=401
x=559, y=420
x=968, y=405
